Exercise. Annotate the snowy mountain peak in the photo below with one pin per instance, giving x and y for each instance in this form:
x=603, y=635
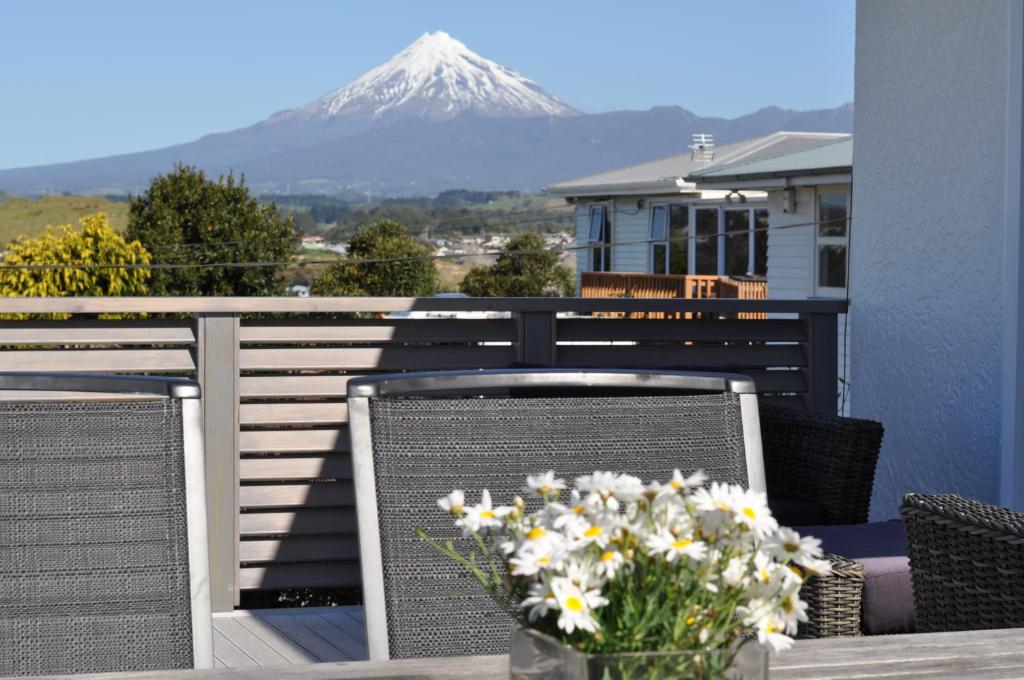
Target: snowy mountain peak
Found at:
x=437, y=77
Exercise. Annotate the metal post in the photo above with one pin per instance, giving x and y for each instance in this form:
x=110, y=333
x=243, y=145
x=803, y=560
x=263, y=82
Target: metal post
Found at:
x=217, y=369
x=536, y=338
x=822, y=372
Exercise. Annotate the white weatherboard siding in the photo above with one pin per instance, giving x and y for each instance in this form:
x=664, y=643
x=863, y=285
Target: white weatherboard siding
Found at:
x=630, y=227
x=927, y=256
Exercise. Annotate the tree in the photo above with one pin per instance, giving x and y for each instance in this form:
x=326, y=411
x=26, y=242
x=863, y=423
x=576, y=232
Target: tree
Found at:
x=383, y=261
x=185, y=218
x=92, y=249
x=525, y=268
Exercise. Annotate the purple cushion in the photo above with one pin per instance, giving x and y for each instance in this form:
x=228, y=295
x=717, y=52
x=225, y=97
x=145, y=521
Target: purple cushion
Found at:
x=791, y=513
x=881, y=547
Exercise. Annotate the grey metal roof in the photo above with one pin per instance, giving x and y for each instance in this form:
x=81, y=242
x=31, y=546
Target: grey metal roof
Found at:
x=670, y=175
x=832, y=157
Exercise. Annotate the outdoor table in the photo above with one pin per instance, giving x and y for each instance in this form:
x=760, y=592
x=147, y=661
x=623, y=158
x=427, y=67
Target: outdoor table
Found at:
x=977, y=654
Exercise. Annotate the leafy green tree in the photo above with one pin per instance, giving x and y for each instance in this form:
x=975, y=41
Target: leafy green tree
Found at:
x=185, y=218
x=105, y=262
x=525, y=268
x=383, y=261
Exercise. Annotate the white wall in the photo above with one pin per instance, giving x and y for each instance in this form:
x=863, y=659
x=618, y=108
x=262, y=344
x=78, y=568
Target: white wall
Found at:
x=630, y=226
x=927, y=251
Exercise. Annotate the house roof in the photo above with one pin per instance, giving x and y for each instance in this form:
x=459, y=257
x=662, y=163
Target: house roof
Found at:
x=670, y=175
x=831, y=157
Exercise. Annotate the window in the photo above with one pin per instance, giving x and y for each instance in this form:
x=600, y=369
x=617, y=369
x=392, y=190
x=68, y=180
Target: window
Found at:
x=760, y=242
x=833, y=239
x=707, y=241
x=670, y=232
x=737, y=242
x=600, y=238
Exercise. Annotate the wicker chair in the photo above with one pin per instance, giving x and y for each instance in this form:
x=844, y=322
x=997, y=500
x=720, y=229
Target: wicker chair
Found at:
x=415, y=437
x=966, y=562
x=828, y=461
x=821, y=459
x=103, y=543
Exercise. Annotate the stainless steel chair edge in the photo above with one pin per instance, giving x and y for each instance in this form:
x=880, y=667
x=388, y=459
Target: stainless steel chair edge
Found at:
x=198, y=533
x=749, y=413
x=175, y=388
x=370, y=562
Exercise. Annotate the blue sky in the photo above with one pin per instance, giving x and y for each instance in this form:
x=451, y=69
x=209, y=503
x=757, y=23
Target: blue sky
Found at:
x=82, y=79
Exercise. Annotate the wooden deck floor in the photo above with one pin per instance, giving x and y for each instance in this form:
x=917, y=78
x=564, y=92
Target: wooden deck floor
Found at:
x=282, y=637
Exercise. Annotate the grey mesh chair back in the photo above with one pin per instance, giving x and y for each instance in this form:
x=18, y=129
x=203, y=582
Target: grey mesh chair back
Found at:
x=103, y=540
x=415, y=437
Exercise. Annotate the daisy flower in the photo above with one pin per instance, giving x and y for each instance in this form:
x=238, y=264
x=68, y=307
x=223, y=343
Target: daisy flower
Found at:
x=534, y=557
x=751, y=510
x=672, y=547
x=453, y=502
x=545, y=484
x=787, y=545
x=575, y=605
x=539, y=601
x=483, y=515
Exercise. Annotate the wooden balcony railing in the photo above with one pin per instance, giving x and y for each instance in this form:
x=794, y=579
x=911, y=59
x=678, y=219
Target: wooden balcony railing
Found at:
x=636, y=285
x=274, y=371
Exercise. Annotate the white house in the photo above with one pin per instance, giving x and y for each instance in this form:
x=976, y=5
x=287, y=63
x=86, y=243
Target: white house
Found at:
x=809, y=198
x=936, y=262
x=653, y=218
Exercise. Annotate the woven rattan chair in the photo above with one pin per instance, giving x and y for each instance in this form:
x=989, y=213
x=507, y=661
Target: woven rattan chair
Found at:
x=103, y=555
x=415, y=437
x=821, y=459
x=966, y=563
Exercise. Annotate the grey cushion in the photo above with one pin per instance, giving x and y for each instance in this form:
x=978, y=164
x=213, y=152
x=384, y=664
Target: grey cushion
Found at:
x=881, y=547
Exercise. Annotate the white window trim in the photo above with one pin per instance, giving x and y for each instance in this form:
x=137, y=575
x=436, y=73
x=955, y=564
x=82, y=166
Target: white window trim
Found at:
x=609, y=208
x=830, y=291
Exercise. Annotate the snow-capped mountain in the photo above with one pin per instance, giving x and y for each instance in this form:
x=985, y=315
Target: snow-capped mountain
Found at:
x=437, y=77
x=435, y=116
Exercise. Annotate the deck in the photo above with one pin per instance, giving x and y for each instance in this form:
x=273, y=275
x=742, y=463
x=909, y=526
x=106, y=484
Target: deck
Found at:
x=288, y=637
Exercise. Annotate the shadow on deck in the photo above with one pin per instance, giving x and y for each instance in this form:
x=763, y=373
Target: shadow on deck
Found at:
x=282, y=637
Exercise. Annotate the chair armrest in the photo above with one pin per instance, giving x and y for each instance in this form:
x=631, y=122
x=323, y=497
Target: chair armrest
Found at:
x=966, y=563
x=823, y=459
x=833, y=601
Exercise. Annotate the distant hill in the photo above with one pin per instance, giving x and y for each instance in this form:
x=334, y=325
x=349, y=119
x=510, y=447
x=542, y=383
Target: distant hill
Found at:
x=436, y=116
x=29, y=217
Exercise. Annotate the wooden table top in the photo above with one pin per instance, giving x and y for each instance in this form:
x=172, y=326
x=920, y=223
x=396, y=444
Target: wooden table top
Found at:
x=981, y=655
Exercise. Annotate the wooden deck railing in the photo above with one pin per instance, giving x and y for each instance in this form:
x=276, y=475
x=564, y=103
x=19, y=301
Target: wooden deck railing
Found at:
x=638, y=285
x=279, y=473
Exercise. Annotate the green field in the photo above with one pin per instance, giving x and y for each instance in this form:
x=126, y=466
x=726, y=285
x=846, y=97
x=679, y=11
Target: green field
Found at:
x=28, y=217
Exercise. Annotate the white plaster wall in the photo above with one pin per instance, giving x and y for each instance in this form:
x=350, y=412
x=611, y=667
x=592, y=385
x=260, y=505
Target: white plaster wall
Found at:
x=926, y=257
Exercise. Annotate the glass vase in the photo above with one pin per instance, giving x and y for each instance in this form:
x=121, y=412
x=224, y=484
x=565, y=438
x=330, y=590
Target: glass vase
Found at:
x=536, y=656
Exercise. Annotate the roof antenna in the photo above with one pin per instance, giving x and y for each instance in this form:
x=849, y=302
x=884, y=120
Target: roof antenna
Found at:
x=703, y=148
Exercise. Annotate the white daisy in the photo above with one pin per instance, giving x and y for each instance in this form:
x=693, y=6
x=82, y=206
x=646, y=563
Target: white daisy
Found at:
x=609, y=563
x=575, y=606
x=539, y=601
x=545, y=484
x=751, y=510
x=672, y=547
x=787, y=545
x=534, y=557
x=453, y=502
x=483, y=515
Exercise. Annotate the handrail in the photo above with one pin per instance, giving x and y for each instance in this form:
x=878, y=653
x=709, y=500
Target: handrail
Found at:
x=244, y=305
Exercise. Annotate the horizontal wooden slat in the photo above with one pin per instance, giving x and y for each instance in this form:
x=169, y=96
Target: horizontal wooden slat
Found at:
x=293, y=413
x=293, y=441
x=100, y=360
x=330, y=466
x=778, y=381
x=96, y=332
x=298, y=522
x=280, y=386
x=326, y=494
x=369, y=358
x=699, y=330
x=710, y=356
x=296, y=305
x=408, y=330
x=299, y=549
x=321, y=575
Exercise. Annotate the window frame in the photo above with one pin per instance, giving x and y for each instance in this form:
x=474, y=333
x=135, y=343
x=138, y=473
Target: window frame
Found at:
x=606, y=261
x=821, y=241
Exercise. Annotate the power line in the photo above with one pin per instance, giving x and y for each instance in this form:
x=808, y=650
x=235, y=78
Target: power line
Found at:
x=411, y=258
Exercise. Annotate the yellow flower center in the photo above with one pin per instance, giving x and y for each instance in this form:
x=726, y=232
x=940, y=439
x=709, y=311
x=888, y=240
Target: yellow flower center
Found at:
x=487, y=514
x=679, y=545
x=790, y=547
x=535, y=533
x=749, y=512
x=675, y=484
x=573, y=603
x=579, y=509
x=787, y=605
x=724, y=507
x=796, y=570
x=544, y=560
x=765, y=576
x=691, y=620
x=607, y=555
x=592, y=532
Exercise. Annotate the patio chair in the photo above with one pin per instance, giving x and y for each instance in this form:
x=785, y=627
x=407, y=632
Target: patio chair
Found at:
x=966, y=563
x=415, y=437
x=103, y=540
